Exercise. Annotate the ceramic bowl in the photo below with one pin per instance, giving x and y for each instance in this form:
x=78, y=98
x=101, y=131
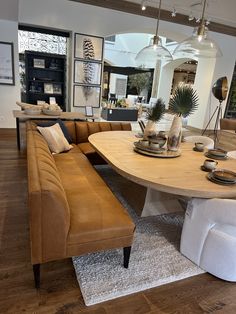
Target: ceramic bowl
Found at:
x=225, y=175
x=217, y=152
x=52, y=112
x=157, y=141
x=32, y=111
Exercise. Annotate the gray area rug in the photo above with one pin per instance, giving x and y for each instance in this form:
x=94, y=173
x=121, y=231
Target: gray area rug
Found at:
x=155, y=258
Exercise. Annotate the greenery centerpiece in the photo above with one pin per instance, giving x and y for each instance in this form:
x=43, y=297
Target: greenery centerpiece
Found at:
x=153, y=115
x=183, y=103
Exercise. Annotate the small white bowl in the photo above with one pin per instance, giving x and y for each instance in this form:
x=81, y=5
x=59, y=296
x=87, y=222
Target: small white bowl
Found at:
x=144, y=143
x=52, y=112
x=32, y=111
x=154, y=145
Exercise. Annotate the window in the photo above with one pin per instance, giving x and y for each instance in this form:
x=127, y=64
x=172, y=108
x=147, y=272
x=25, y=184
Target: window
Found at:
x=111, y=39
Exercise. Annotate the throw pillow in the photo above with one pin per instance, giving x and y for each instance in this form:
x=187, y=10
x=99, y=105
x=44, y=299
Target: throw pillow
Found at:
x=55, y=138
x=62, y=125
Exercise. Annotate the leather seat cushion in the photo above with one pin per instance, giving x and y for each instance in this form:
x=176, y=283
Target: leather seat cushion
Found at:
x=95, y=212
x=86, y=148
x=91, y=154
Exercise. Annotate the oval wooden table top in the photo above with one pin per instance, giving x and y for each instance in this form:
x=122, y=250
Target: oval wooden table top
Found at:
x=181, y=175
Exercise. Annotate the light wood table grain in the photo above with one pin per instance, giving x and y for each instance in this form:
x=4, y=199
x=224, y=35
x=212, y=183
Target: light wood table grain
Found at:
x=181, y=175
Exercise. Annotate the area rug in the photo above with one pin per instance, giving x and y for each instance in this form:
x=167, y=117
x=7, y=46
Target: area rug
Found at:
x=155, y=258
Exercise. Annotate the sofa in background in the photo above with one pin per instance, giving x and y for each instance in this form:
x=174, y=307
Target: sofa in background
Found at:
x=71, y=209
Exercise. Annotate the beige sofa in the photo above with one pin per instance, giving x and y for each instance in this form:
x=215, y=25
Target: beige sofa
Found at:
x=71, y=209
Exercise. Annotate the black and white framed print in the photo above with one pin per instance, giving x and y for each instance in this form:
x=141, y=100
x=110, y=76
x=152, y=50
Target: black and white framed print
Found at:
x=7, y=76
x=87, y=95
x=88, y=47
x=86, y=72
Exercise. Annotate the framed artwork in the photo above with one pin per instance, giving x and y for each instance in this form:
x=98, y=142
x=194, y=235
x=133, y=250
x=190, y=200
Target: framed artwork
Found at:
x=87, y=96
x=57, y=89
x=39, y=63
x=88, y=111
x=88, y=47
x=48, y=88
x=7, y=75
x=86, y=72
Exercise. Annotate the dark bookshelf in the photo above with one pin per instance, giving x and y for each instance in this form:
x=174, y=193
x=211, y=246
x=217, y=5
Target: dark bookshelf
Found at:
x=45, y=76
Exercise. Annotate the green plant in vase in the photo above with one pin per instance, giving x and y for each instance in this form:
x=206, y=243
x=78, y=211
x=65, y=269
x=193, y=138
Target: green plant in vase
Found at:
x=183, y=103
x=153, y=115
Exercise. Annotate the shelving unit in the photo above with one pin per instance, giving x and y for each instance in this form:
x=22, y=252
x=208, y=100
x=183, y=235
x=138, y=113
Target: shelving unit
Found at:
x=45, y=77
x=230, y=111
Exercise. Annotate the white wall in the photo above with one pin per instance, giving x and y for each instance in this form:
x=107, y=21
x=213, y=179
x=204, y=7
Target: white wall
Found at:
x=9, y=10
x=9, y=93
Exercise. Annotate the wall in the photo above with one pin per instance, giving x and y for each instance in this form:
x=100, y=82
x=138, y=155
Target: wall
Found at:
x=9, y=93
x=9, y=10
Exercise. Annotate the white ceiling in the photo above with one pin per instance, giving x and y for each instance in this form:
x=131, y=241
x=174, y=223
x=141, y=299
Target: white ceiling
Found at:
x=219, y=11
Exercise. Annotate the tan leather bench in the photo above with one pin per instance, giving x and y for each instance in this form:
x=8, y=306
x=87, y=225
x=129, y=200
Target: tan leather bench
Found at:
x=228, y=124
x=72, y=210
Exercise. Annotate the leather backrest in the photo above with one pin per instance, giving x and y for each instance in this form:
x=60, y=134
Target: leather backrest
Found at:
x=84, y=129
x=48, y=207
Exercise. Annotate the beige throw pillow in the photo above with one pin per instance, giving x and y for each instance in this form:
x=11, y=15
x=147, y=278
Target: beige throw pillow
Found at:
x=55, y=138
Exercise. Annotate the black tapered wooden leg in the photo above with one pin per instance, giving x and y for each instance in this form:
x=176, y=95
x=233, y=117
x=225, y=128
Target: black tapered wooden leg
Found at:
x=36, y=269
x=127, y=251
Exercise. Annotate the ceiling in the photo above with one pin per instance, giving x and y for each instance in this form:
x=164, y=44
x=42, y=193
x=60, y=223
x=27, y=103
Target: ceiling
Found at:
x=220, y=13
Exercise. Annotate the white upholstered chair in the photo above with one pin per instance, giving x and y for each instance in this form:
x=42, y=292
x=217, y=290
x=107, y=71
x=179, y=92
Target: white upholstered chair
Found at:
x=209, y=236
x=232, y=154
x=207, y=141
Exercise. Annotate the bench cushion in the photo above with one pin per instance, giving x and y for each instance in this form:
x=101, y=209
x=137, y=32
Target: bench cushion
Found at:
x=95, y=213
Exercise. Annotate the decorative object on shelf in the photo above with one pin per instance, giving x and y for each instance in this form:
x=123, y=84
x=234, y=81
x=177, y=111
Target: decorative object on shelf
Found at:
x=155, y=51
x=219, y=90
x=183, y=103
x=198, y=45
x=154, y=114
x=39, y=63
x=48, y=88
x=57, y=89
x=7, y=75
x=54, y=65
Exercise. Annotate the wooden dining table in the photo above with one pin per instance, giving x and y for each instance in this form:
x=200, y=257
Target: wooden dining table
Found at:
x=178, y=176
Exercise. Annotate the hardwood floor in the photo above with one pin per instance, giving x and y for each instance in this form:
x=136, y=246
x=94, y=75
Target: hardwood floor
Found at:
x=59, y=291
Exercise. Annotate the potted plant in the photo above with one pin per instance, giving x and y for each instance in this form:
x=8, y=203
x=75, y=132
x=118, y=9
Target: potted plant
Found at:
x=183, y=103
x=140, y=81
x=153, y=115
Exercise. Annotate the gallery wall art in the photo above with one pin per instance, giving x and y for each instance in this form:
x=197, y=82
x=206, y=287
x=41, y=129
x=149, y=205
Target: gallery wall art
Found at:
x=7, y=76
x=88, y=58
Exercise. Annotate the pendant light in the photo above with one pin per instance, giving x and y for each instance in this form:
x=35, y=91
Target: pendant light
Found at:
x=148, y=56
x=198, y=45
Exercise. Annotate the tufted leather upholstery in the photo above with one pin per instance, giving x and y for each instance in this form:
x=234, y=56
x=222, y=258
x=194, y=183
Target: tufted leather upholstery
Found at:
x=72, y=211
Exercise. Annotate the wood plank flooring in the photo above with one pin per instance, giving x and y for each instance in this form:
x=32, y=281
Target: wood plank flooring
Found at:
x=60, y=292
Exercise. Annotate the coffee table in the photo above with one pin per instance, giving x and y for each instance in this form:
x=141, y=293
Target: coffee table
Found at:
x=178, y=176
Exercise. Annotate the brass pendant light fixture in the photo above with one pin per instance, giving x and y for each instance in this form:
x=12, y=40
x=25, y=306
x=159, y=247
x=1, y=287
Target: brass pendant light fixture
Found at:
x=148, y=56
x=199, y=44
